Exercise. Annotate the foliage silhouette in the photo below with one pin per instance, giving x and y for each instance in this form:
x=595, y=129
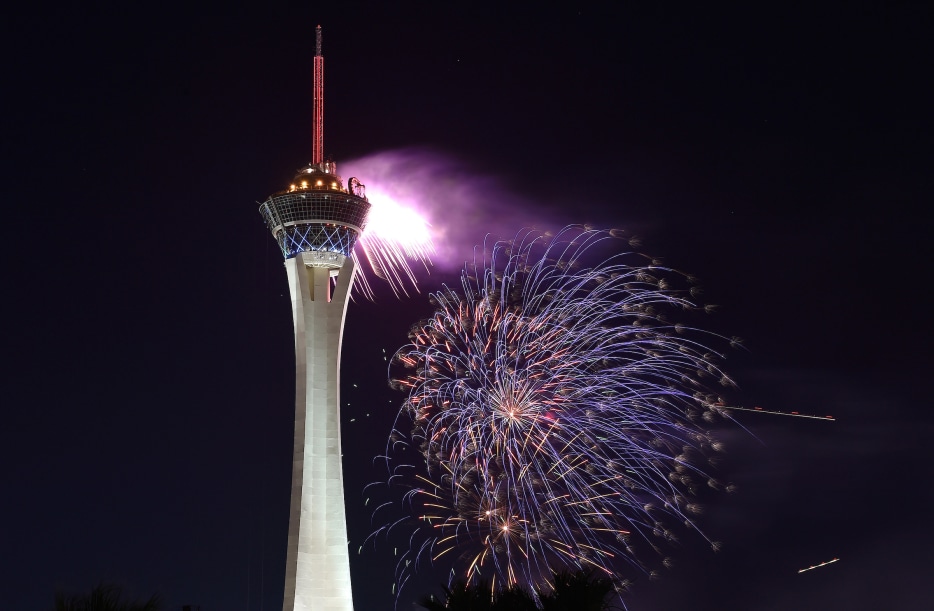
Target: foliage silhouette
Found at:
x=462, y=597
x=577, y=591
x=104, y=597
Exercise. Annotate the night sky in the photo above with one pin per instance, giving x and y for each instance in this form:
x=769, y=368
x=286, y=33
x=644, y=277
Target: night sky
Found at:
x=781, y=153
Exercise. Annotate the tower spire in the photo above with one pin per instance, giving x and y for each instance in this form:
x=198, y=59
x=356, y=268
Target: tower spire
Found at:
x=317, y=130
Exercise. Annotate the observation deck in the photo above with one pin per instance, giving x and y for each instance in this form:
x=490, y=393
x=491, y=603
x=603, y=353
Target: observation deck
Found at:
x=316, y=214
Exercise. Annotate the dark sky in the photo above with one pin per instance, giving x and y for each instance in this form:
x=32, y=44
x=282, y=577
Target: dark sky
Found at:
x=781, y=153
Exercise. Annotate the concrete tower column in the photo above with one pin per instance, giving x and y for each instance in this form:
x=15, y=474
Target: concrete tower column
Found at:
x=318, y=563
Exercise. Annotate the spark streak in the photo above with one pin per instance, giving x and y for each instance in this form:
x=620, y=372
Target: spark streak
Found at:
x=817, y=566
x=759, y=410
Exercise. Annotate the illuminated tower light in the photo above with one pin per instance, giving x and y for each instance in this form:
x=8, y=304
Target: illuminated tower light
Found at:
x=316, y=222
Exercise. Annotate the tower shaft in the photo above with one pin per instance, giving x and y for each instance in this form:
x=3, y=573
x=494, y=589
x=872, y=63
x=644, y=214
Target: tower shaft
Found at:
x=317, y=130
x=318, y=561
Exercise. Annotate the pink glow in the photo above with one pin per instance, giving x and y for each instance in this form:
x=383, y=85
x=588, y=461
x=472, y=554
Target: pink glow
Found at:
x=419, y=192
x=392, y=221
x=396, y=237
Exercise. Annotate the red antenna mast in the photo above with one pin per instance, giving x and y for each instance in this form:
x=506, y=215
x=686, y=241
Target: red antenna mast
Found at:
x=317, y=130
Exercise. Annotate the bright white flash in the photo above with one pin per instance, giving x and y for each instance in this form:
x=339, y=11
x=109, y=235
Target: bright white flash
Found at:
x=396, y=236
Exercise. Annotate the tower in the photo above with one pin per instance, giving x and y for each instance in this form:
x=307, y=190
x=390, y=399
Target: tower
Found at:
x=316, y=222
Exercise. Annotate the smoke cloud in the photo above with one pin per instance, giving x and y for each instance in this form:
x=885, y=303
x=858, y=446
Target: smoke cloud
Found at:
x=462, y=206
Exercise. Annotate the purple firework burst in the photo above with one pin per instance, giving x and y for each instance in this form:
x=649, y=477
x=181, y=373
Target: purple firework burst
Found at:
x=558, y=411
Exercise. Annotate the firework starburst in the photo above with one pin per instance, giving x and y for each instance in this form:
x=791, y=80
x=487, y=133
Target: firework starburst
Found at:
x=558, y=411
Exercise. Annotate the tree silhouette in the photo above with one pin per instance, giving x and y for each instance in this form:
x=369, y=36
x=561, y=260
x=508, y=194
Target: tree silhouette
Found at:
x=514, y=599
x=578, y=591
x=104, y=597
x=462, y=597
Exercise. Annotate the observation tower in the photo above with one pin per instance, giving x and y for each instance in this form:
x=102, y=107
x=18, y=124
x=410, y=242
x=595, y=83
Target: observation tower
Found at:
x=316, y=222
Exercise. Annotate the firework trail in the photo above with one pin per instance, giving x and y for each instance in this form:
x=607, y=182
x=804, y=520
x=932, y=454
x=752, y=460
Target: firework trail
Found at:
x=557, y=413
x=792, y=414
x=817, y=566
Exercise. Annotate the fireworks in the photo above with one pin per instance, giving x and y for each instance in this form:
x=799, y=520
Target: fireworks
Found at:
x=557, y=410
x=395, y=236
